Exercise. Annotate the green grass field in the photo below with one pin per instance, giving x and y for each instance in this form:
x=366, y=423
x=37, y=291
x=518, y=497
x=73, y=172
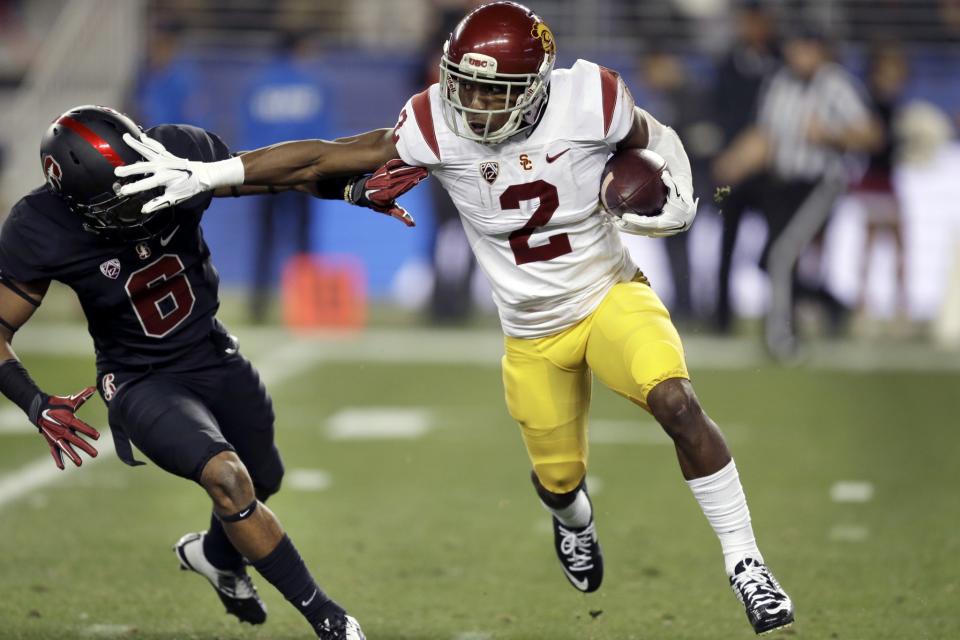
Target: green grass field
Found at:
x=437, y=534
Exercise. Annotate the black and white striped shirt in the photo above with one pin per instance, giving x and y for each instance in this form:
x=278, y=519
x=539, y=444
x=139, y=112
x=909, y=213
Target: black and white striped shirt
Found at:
x=787, y=107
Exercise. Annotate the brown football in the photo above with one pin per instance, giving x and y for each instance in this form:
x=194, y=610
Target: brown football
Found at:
x=632, y=183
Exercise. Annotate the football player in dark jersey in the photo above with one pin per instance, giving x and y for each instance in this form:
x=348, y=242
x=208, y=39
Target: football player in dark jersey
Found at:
x=173, y=380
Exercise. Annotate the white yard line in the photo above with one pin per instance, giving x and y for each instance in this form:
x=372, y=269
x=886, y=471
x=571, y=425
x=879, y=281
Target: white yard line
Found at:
x=484, y=347
x=12, y=421
x=107, y=630
x=41, y=472
x=276, y=366
x=849, y=533
x=379, y=423
x=307, y=480
x=640, y=431
x=852, y=491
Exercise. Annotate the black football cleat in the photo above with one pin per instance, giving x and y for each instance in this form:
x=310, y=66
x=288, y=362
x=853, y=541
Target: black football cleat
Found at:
x=580, y=555
x=235, y=589
x=768, y=606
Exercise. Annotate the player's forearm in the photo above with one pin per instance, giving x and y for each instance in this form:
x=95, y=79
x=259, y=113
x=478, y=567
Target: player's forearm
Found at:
x=306, y=161
x=665, y=141
x=16, y=384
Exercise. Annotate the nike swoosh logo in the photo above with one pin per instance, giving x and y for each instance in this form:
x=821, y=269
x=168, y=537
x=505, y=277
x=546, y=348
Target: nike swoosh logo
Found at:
x=579, y=584
x=243, y=514
x=309, y=600
x=165, y=241
x=552, y=158
x=49, y=417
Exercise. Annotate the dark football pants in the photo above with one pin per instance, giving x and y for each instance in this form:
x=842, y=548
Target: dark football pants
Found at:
x=180, y=420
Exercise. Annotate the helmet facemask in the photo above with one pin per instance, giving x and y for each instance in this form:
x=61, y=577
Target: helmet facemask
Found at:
x=118, y=217
x=523, y=96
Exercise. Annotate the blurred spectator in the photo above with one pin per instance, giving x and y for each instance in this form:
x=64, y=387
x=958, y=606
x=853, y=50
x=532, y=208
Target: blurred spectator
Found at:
x=171, y=89
x=810, y=115
x=753, y=57
x=876, y=193
x=452, y=260
x=676, y=101
x=16, y=45
x=286, y=100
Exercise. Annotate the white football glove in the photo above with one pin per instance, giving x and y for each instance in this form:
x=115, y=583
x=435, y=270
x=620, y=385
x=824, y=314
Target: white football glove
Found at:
x=678, y=214
x=181, y=179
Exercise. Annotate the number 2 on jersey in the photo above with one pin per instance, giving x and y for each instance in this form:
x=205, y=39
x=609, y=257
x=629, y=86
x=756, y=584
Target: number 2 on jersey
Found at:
x=556, y=245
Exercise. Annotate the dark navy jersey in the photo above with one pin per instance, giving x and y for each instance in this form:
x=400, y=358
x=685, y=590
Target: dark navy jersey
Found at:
x=147, y=303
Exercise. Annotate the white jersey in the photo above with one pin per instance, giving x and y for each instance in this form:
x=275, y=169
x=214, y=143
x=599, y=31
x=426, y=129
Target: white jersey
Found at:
x=530, y=205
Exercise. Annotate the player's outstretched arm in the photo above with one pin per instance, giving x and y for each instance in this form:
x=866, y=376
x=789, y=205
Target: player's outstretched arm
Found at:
x=282, y=165
x=681, y=206
x=53, y=415
x=378, y=191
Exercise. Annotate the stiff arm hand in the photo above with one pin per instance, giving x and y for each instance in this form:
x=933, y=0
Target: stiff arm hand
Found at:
x=380, y=190
x=181, y=179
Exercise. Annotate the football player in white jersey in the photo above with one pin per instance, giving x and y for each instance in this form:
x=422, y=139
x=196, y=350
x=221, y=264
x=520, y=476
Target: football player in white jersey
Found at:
x=521, y=146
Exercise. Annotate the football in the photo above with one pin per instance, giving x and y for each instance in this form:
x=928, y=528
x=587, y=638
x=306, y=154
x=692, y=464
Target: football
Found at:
x=632, y=183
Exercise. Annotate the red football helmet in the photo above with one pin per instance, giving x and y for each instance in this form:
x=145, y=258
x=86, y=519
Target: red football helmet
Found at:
x=506, y=50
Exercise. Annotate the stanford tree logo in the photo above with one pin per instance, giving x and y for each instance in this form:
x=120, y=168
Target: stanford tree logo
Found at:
x=52, y=171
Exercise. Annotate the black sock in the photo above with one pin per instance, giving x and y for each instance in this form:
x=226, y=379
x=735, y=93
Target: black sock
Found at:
x=284, y=569
x=555, y=500
x=218, y=549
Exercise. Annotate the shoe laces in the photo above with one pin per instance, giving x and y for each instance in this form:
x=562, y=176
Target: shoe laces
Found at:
x=236, y=584
x=577, y=547
x=756, y=586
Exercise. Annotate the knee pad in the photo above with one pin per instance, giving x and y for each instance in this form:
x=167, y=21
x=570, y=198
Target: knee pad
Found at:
x=560, y=477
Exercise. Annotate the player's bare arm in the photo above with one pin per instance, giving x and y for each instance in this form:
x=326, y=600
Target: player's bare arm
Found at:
x=53, y=415
x=306, y=161
x=327, y=169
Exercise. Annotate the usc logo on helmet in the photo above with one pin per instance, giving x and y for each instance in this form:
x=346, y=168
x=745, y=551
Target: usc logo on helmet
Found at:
x=542, y=32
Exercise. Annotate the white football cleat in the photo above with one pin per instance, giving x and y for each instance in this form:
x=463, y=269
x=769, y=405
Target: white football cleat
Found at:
x=343, y=627
x=234, y=588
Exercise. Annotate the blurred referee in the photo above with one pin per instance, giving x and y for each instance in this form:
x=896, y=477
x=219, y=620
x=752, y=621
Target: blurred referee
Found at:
x=810, y=115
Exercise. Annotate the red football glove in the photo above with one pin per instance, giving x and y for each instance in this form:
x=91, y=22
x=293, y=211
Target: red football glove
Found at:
x=57, y=423
x=380, y=190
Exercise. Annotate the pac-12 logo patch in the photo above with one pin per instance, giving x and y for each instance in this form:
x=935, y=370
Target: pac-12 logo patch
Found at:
x=143, y=250
x=490, y=171
x=110, y=268
x=108, y=386
x=52, y=171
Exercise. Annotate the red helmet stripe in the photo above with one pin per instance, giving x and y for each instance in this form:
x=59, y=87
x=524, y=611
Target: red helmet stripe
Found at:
x=95, y=141
x=424, y=117
x=609, y=85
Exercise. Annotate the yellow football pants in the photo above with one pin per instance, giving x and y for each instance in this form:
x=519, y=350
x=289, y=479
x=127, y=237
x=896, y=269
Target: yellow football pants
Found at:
x=631, y=345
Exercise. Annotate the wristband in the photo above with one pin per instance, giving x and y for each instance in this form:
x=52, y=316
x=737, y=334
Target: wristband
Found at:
x=225, y=173
x=16, y=384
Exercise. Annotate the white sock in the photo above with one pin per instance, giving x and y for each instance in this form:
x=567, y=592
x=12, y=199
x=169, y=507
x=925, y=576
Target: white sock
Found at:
x=577, y=514
x=721, y=497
